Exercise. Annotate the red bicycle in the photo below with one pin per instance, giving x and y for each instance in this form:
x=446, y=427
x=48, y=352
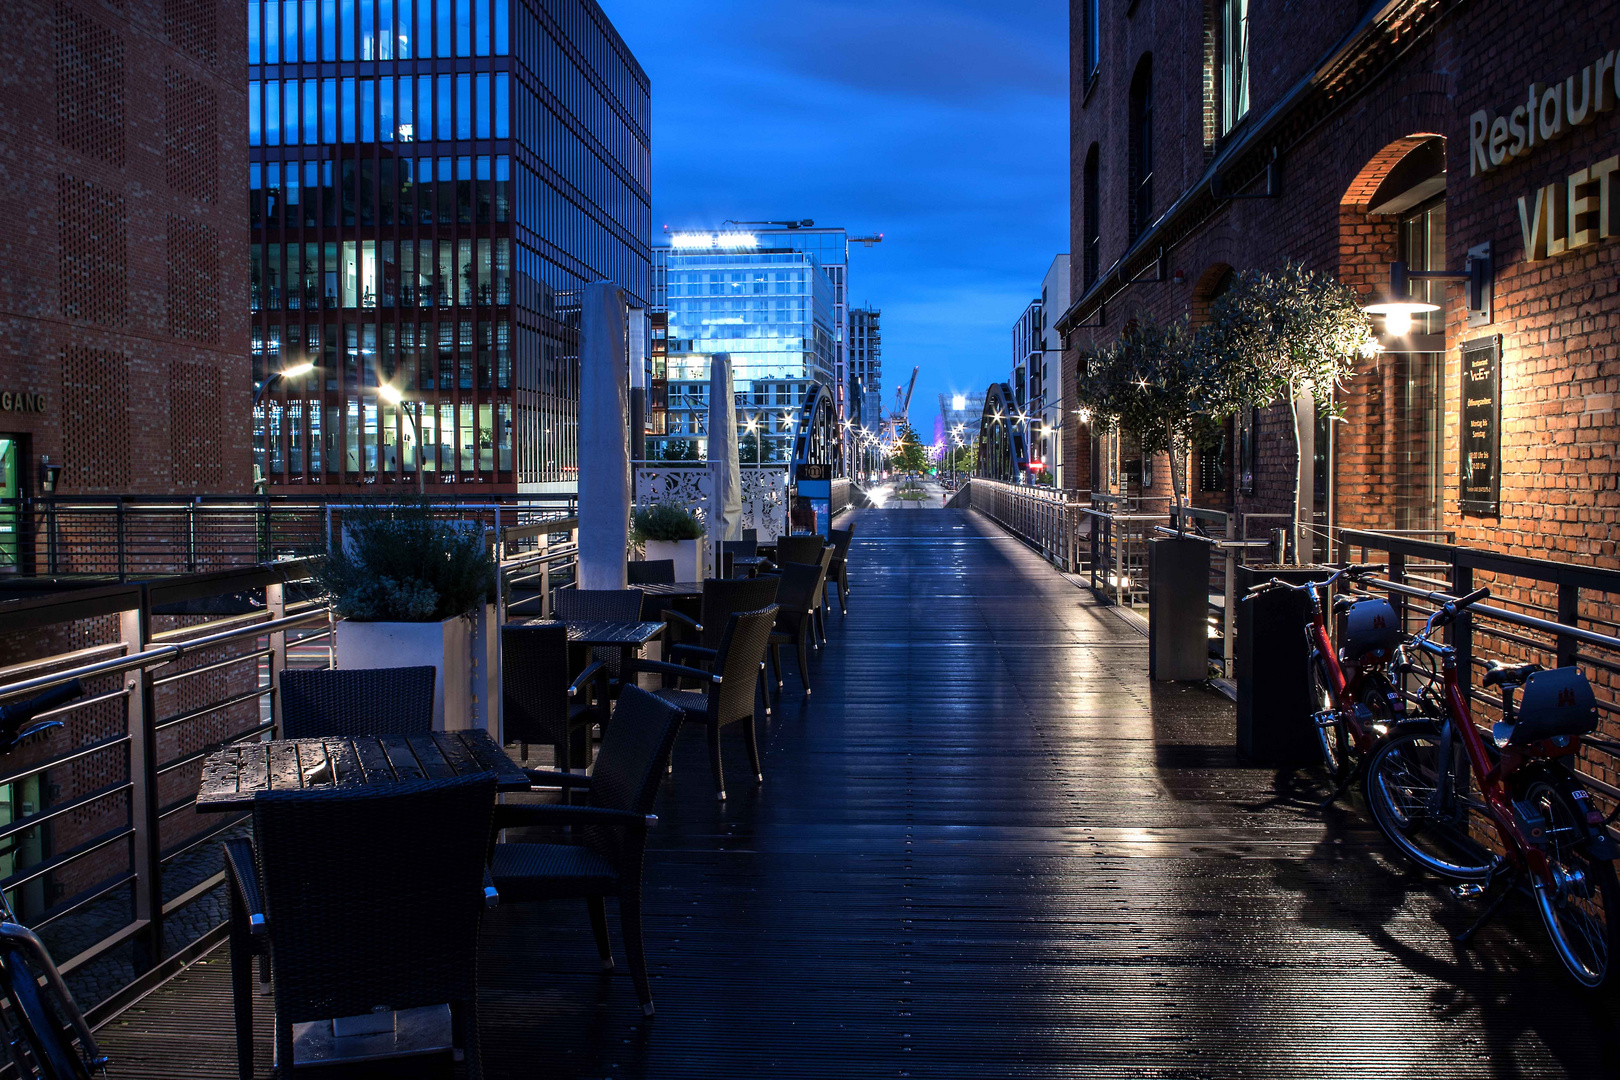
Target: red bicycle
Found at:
x=1354, y=701
x=1432, y=792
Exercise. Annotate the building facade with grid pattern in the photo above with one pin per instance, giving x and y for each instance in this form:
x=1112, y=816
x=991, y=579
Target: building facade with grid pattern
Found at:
x=433, y=183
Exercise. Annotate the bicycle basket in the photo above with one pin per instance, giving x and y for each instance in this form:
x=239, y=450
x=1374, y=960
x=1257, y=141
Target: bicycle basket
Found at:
x=1370, y=626
x=1554, y=702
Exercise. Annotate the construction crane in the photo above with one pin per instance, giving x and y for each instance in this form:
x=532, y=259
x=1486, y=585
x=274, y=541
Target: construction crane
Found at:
x=902, y=408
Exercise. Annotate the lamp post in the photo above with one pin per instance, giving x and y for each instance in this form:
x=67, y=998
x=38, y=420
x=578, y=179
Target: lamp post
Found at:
x=390, y=393
x=271, y=380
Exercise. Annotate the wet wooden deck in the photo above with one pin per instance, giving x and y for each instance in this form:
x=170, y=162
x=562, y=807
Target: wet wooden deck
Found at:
x=987, y=847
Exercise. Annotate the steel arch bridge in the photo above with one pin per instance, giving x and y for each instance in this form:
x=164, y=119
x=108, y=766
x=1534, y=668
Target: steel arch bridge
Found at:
x=817, y=438
x=1003, y=442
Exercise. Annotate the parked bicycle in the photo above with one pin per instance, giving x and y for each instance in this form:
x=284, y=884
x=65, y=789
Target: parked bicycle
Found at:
x=42, y=1021
x=1438, y=794
x=1354, y=700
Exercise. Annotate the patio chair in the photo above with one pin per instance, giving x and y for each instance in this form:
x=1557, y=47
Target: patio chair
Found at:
x=751, y=534
x=722, y=597
x=796, y=604
x=604, y=857
x=651, y=572
x=745, y=548
x=838, y=572
x=356, y=701
x=728, y=686
x=540, y=703
x=601, y=605
x=361, y=897
x=801, y=549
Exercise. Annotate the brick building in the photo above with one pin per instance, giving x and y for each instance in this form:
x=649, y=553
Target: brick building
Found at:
x=123, y=252
x=1247, y=133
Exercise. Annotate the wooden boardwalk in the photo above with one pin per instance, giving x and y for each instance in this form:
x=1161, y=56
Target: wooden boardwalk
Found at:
x=988, y=847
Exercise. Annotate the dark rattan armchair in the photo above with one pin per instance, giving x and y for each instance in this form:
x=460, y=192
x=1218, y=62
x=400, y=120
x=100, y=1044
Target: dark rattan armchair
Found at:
x=728, y=693
x=356, y=701
x=801, y=549
x=540, y=703
x=796, y=604
x=651, y=572
x=601, y=605
x=609, y=831
x=839, y=571
x=362, y=897
x=722, y=597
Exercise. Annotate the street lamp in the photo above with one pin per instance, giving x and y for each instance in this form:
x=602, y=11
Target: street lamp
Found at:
x=390, y=393
x=258, y=399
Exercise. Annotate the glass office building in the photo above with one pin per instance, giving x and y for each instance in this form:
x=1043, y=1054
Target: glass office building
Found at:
x=432, y=183
x=772, y=308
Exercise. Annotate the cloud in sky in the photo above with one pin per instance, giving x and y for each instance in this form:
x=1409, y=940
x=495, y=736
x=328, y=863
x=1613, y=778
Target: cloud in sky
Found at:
x=942, y=124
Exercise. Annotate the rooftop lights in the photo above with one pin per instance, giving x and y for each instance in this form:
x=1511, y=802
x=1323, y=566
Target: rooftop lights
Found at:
x=712, y=241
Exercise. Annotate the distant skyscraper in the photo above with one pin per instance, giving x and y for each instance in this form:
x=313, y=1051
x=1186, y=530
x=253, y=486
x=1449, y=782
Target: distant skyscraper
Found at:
x=432, y=186
x=866, y=365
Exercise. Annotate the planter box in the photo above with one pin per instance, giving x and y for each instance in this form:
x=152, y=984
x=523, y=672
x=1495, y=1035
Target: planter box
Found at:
x=1178, y=609
x=1273, y=688
x=444, y=646
x=688, y=556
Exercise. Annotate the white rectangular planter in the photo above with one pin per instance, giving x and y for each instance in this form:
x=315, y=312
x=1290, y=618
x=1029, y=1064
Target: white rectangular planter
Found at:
x=688, y=556
x=444, y=646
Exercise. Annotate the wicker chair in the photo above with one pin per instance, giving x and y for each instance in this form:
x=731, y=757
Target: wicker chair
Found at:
x=839, y=572
x=604, y=605
x=745, y=548
x=540, y=703
x=651, y=572
x=801, y=549
x=356, y=701
x=796, y=606
x=362, y=897
x=610, y=830
x=728, y=693
x=722, y=597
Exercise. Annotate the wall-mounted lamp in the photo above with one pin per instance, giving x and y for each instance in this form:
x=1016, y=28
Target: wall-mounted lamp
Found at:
x=1399, y=307
x=48, y=474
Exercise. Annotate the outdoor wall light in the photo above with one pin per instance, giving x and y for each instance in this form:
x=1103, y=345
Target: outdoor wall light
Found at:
x=274, y=377
x=49, y=474
x=1478, y=273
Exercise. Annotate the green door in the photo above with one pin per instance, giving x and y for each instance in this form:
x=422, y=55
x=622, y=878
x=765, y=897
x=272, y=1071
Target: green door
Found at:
x=10, y=504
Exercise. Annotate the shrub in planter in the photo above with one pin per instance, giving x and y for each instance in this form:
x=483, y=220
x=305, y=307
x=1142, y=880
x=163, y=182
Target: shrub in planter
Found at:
x=665, y=522
x=400, y=563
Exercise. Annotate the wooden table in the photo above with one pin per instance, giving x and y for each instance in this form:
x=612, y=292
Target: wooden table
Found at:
x=631, y=635
x=233, y=776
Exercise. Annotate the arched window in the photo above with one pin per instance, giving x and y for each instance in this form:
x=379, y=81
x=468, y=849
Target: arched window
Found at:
x=1091, y=32
x=1091, y=214
x=1139, y=139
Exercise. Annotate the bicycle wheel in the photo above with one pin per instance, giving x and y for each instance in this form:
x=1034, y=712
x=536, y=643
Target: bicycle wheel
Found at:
x=1331, y=735
x=39, y=1045
x=1403, y=784
x=1582, y=907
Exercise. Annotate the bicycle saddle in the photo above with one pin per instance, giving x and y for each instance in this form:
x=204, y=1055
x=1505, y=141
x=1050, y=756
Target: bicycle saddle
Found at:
x=1500, y=674
x=1344, y=602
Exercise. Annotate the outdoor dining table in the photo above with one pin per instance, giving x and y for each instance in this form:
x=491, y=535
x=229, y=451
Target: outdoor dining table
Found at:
x=231, y=777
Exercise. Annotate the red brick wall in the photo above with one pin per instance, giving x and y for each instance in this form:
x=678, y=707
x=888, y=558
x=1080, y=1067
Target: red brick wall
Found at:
x=120, y=274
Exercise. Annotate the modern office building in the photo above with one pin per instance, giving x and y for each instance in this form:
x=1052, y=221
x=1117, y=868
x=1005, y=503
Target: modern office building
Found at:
x=866, y=366
x=768, y=305
x=959, y=416
x=123, y=320
x=1037, y=360
x=433, y=182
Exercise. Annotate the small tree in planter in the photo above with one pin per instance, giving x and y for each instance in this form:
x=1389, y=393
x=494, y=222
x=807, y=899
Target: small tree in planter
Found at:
x=1151, y=383
x=669, y=531
x=407, y=585
x=1289, y=333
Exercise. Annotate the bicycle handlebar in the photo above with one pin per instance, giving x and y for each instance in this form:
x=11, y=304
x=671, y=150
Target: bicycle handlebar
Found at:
x=1353, y=572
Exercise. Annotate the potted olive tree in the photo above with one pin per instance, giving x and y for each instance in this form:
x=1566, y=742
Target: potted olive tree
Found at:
x=668, y=531
x=408, y=587
x=1150, y=382
x=1290, y=335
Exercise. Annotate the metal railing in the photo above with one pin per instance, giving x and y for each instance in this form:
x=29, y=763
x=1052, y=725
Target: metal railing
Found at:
x=1050, y=520
x=127, y=537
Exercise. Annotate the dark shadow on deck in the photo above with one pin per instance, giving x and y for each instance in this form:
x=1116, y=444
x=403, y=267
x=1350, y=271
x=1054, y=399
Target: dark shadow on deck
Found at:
x=988, y=847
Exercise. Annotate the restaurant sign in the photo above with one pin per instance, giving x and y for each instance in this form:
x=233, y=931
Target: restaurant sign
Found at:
x=1479, y=487
x=21, y=401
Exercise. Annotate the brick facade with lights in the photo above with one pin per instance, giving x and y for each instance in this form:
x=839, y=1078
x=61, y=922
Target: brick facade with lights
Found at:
x=1361, y=108
x=123, y=272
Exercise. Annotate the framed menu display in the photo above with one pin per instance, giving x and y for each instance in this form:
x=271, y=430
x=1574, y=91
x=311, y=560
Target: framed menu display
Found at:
x=1479, y=488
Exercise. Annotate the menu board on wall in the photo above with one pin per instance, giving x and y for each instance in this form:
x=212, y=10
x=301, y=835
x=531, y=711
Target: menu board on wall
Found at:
x=1479, y=488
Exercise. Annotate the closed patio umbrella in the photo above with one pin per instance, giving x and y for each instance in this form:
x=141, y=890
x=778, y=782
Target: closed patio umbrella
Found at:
x=604, y=439
x=723, y=454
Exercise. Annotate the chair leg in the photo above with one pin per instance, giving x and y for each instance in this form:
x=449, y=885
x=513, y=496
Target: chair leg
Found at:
x=284, y=1047
x=843, y=595
x=821, y=626
x=714, y=762
x=598, y=909
x=804, y=657
x=630, y=927
x=242, y=999
x=752, y=740
x=775, y=653
x=464, y=1034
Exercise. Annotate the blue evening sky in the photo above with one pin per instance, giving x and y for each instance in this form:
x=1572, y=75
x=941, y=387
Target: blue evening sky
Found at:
x=942, y=124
